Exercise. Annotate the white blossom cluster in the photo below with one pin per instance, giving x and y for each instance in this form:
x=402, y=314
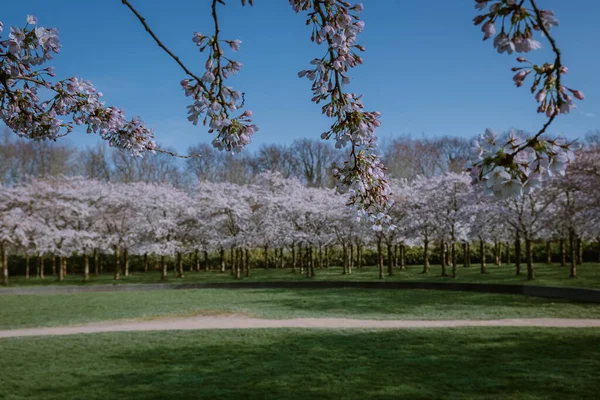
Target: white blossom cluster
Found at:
x=33, y=106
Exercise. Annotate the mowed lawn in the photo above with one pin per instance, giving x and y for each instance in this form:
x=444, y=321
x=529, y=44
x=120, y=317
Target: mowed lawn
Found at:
x=459, y=363
x=76, y=308
x=549, y=275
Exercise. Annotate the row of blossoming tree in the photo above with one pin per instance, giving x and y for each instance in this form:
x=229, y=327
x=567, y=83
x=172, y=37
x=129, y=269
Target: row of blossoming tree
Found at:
x=37, y=106
x=58, y=218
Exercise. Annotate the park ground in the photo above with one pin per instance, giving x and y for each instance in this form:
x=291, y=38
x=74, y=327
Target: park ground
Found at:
x=292, y=363
x=588, y=275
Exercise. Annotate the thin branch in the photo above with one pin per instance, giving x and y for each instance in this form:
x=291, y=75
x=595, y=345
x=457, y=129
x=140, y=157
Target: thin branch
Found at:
x=161, y=45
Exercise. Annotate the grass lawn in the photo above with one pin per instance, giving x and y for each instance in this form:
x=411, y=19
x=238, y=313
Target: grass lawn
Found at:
x=550, y=275
x=74, y=308
x=460, y=363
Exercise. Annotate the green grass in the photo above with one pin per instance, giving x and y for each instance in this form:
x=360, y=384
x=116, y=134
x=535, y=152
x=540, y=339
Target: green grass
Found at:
x=62, y=309
x=549, y=275
x=460, y=363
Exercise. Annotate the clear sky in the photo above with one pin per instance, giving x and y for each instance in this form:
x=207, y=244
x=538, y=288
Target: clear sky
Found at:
x=426, y=68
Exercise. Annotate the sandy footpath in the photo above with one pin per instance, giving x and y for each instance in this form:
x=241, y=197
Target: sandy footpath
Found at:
x=244, y=322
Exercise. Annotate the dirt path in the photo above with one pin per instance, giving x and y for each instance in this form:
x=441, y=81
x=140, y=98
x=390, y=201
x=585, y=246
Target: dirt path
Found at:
x=243, y=322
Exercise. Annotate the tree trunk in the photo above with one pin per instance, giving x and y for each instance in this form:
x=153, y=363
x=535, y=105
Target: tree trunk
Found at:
x=529, y=256
x=96, y=262
x=573, y=251
x=53, y=265
x=518, y=253
x=327, y=257
x=61, y=271
x=425, y=256
x=4, y=264
x=563, y=253
x=197, y=259
x=453, y=258
x=206, y=261
x=293, y=258
x=507, y=247
x=396, y=255
x=247, y=263
x=468, y=254
x=350, y=258
x=40, y=271
x=27, y=266
x=443, y=257
x=402, y=256
x=117, y=263
x=238, y=265
x=307, y=256
x=86, y=267
x=344, y=259
x=379, y=258
x=483, y=269
x=179, y=261
x=496, y=252
x=126, y=261
x=64, y=266
x=579, y=251
x=232, y=259
x=548, y=252
x=311, y=262
x=464, y=250
x=163, y=268
x=222, y=259
x=390, y=260
x=266, y=257
x=359, y=256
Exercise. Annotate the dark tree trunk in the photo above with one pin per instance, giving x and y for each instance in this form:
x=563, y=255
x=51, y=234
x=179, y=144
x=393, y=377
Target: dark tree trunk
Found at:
x=40, y=271
x=573, y=251
x=222, y=259
x=311, y=263
x=579, y=251
x=464, y=250
x=390, y=260
x=96, y=262
x=61, y=271
x=518, y=253
x=453, y=258
x=379, y=258
x=179, y=261
x=483, y=269
x=163, y=268
x=344, y=259
x=205, y=261
x=350, y=258
x=4, y=264
x=86, y=267
x=53, y=265
x=27, y=266
x=443, y=257
x=293, y=258
x=359, y=256
x=402, y=256
x=126, y=261
x=117, y=263
x=197, y=260
x=426, y=256
x=529, y=256
x=563, y=253
x=247, y=263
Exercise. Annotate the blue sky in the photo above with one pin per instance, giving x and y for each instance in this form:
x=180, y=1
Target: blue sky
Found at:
x=426, y=68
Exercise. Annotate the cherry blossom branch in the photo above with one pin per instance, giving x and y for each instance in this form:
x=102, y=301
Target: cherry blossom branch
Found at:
x=336, y=23
x=519, y=164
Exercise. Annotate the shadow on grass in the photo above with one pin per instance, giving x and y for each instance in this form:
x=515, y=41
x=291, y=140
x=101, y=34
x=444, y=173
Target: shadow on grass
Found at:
x=475, y=363
x=412, y=304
